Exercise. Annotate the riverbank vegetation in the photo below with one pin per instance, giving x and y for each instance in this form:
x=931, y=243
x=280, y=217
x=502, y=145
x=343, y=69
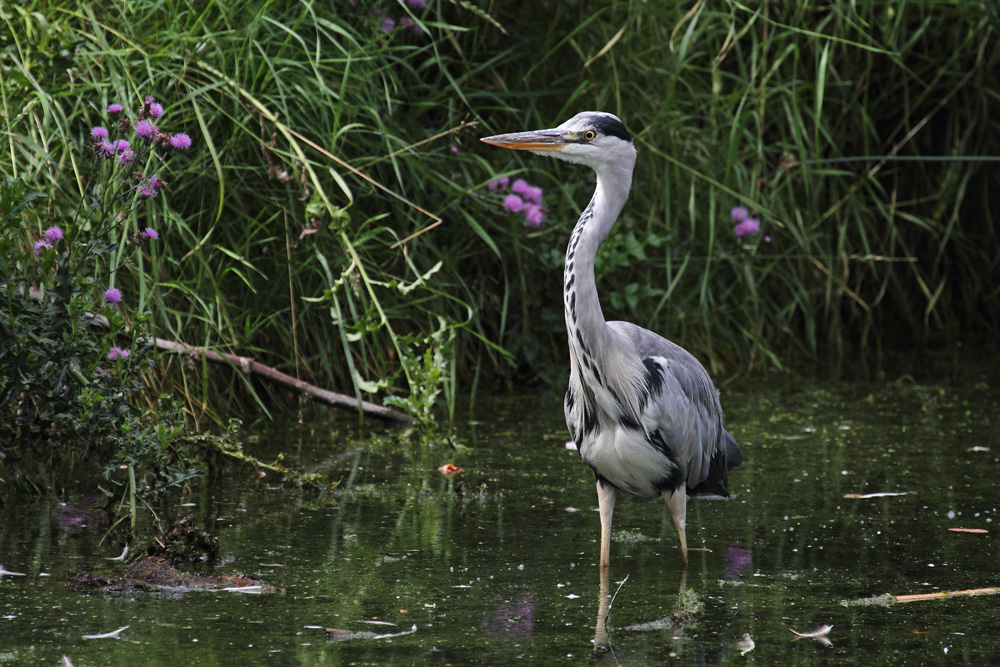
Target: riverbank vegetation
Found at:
x=813, y=187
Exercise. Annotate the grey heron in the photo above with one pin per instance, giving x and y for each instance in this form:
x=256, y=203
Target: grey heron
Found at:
x=642, y=411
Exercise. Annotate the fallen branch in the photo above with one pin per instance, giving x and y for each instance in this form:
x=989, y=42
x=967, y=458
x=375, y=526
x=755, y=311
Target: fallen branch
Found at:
x=251, y=366
x=887, y=599
x=942, y=595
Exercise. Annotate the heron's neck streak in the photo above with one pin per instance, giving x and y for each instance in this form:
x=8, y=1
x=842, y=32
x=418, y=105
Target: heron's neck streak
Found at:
x=584, y=318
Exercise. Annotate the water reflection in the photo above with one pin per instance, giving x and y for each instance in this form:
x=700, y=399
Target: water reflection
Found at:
x=508, y=574
x=79, y=513
x=739, y=560
x=512, y=621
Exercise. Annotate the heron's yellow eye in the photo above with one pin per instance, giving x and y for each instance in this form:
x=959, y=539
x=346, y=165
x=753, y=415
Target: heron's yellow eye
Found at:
x=589, y=135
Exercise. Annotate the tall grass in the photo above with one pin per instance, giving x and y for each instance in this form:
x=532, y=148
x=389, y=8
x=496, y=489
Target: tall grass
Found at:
x=338, y=224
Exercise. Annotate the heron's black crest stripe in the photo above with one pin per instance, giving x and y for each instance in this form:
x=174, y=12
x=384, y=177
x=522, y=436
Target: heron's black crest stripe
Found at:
x=612, y=127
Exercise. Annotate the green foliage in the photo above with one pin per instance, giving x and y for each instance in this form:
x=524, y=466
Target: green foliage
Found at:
x=325, y=178
x=75, y=355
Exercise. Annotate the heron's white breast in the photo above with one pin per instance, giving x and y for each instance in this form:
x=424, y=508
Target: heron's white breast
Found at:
x=625, y=458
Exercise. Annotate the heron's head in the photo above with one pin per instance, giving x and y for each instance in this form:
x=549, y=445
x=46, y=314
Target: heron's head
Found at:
x=593, y=138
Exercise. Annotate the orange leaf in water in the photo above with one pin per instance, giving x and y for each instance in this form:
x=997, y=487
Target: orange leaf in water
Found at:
x=968, y=530
x=449, y=469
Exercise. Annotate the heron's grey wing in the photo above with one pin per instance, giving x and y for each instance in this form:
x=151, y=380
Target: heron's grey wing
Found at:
x=683, y=408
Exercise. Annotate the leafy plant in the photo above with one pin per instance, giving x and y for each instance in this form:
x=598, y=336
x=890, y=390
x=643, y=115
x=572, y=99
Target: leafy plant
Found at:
x=75, y=349
x=340, y=159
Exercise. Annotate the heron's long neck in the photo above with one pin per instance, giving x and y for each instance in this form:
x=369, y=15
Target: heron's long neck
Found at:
x=584, y=318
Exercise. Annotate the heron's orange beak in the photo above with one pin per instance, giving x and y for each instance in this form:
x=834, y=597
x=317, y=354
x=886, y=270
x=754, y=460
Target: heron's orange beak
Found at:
x=537, y=140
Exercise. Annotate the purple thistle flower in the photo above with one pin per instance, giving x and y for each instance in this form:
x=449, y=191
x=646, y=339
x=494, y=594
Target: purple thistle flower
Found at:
x=113, y=295
x=115, y=109
x=99, y=133
x=42, y=244
x=513, y=203
x=156, y=182
x=105, y=149
x=520, y=187
x=150, y=99
x=533, y=194
x=499, y=184
x=155, y=110
x=122, y=145
x=150, y=234
x=767, y=239
x=54, y=234
x=739, y=214
x=388, y=25
x=144, y=129
x=117, y=352
x=454, y=149
x=147, y=190
x=180, y=141
x=533, y=214
x=125, y=157
x=412, y=26
x=747, y=227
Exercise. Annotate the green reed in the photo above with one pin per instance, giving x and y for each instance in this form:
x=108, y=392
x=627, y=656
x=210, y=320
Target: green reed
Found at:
x=335, y=220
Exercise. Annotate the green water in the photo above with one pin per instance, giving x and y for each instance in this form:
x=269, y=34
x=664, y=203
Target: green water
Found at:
x=498, y=563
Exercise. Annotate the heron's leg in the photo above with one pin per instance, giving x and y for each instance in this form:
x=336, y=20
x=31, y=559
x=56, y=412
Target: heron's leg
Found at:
x=603, y=607
x=677, y=502
x=606, y=504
